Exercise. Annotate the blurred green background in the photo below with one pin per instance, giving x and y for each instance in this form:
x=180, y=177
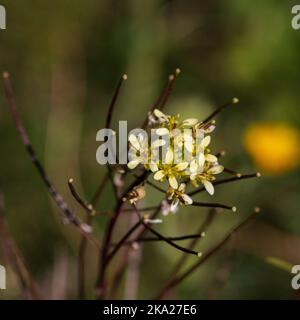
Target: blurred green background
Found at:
x=65, y=58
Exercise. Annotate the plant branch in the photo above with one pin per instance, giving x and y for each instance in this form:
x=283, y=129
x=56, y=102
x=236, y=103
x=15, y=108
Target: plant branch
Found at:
x=163, y=238
x=213, y=205
x=227, y=180
x=203, y=227
x=164, y=95
x=101, y=287
x=218, y=110
x=155, y=239
x=86, y=206
x=58, y=199
x=178, y=279
x=113, y=101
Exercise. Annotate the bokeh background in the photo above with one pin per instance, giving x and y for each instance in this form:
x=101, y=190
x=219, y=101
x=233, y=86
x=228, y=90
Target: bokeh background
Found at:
x=65, y=58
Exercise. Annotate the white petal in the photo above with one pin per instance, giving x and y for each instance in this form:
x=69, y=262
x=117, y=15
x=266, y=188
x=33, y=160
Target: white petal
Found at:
x=134, y=141
x=189, y=146
x=153, y=167
x=201, y=159
x=159, y=175
x=160, y=115
x=181, y=166
x=182, y=187
x=215, y=170
x=190, y=122
x=188, y=136
x=133, y=163
x=211, y=158
x=162, y=131
x=193, y=166
x=205, y=142
x=158, y=143
x=187, y=199
x=173, y=182
x=169, y=157
x=209, y=187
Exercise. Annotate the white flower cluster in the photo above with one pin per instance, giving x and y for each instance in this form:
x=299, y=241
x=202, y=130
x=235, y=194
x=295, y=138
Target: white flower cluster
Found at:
x=189, y=137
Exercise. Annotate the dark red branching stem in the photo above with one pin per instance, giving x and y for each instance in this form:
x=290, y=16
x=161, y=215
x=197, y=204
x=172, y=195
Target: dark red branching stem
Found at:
x=155, y=239
x=164, y=95
x=182, y=260
x=83, y=242
x=101, y=287
x=203, y=227
x=121, y=270
x=218, y=110
x=232, y=172
x=212, y=205
x=169, y=88
x=122, y=241
x=108, y=125
x=161, y=237
x=58, y=199
x=113, y=101
x=178, y=279
x=86, y=206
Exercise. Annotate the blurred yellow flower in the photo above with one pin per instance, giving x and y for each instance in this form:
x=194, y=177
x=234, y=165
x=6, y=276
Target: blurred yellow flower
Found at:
x=273, y=146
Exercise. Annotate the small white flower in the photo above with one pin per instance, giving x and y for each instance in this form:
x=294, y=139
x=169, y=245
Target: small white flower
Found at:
x=139, y=150
x=178, y=195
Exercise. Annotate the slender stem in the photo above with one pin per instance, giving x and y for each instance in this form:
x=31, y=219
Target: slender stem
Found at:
x=155, y=239
x=113, y=101
x=86, y=206
x=203, y=227
x=83, y=242
x=218, y=110
x=164, y=95
x=213, y=205
x=163, y=238
x=172, y=80
x=101, y=287
x=174, y=282
x=108, y=125
x=122, y=241
x=58, y=199
x=227, y=180
x=232, y=172
x=121, y=270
